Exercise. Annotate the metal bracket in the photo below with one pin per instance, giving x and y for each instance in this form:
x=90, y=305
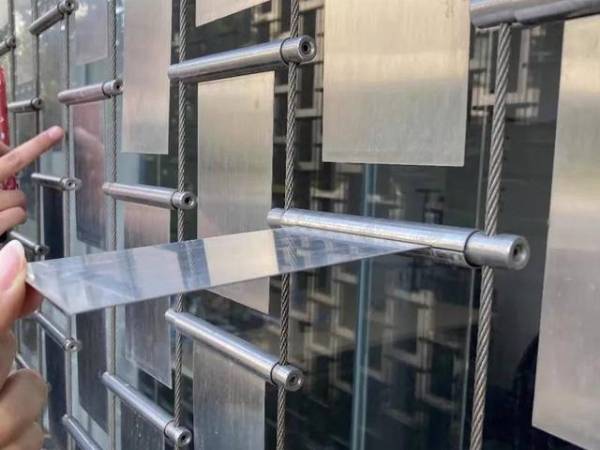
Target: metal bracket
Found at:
x=91, y=93
x=151, y=195
x=54, y=15
x=243, y=61
x=58, y=183
x=24, y=106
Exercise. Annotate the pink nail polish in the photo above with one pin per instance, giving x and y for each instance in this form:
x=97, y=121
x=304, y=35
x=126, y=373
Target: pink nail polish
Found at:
x=12, y=257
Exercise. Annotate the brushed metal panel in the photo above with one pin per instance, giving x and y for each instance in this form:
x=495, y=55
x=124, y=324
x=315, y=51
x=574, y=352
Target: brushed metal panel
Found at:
x=395, y=90
x=148, y=341
x=147, y=55
x=136, y=432
x=210, y=10
x=235, y=165
x=91, y=31
x=567, y=394
x=89, y=150
x=24, y=49
x=84, y=283
x=229, y=403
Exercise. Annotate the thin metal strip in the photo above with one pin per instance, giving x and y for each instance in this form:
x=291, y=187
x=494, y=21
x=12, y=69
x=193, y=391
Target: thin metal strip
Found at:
x=91, y=28
x=235, y=168
x=228, y=413
x=147, y=54
x=384, y=83
x=90, y=282
x=567, y=399
x=211, y=10
x=148, y=341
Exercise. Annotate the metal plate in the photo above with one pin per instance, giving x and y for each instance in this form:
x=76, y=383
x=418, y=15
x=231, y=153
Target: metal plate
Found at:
x=394, y=91
x=91, y=25
x=136, y=432
x=90, y=201
x=235, y=166
x=147, y=55
x=567, y=398
x=24, y=49
x=53, y=222
x=148, y=342
x=210, y=10
x=229, y=403
x=57, y=407
x=85, y=283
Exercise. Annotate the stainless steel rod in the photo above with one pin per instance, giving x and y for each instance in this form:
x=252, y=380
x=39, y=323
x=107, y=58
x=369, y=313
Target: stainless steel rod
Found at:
x=151, y=195
x=35, y=248
x=58, y=183
x=491, y=13
x=91, y=93
x=242, y=61
x=153, y=413
x=69, y=344
x=7, y=44
x=263, y=364
x=24, y=106
x=80, y=436
x=52, y=16
x=463, y=246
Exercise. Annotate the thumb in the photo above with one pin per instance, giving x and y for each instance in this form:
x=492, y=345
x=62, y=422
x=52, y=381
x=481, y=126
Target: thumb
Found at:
x=12, y=283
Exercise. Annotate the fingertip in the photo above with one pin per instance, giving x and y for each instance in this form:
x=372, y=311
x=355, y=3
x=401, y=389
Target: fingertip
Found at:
x=55, y=133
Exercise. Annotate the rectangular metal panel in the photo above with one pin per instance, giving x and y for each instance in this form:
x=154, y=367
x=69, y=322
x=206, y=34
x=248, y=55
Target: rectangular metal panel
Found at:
x=210, y=10
x=567, y=397
x=148, y=343
x=147, y=55
x=395, y=91
x=91, y=31
x=57, y=407
x=90, y=201
x=85, y=283
x=136, y=432
x=229, y=403
x=53, y=222
x=235, y=166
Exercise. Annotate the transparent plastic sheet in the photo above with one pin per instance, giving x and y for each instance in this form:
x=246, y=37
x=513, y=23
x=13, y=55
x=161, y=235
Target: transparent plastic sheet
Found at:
x=89, y=150
x=235, y=166
x=137, y=433
x=210, y=10
x=148, y=341
x=91, y=30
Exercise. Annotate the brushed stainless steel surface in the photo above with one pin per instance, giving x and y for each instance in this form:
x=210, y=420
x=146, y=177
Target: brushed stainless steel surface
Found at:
x=91, y=282
x=79, y=435
x=28, y=105
x=235, y=166
x=137, y=432
x=56, y=182
x=24, y=49
x=53, y=15
x=248, y=356
x=89, y=152
x=146, y=56
x=453, y=244
x=229, y=403
x=395, y=92
x=211, y=10
x=567, y=397
x=91, y=31
x=148, y=341
x=151, y=195
x=243, y=61
x=68, y=343
x=91, y=93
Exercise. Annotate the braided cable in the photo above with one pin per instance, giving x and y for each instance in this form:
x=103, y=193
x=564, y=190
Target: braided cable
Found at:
x=491, y=226
x=290, y=160
x=181, y=142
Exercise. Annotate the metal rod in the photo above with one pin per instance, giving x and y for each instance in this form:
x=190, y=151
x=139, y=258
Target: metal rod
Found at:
x=52, y=16
x=91, y=93
x=242, y=61
x=151, y=195
x=58, y=183
x=462, y=246
x=492, y=13
x=263, y=364
x=80, y=436
x=7, y=44
x=35, y=248
x=24, y=106
x=69, y=344
x=153, y=413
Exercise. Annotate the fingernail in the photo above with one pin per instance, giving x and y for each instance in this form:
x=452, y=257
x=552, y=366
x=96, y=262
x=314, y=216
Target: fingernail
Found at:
x=54, y=133
x=12, y=260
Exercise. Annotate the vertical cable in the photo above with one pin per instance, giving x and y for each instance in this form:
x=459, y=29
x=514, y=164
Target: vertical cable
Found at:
x=13, y=72
x=290, y=159
x=491, y=226
x=181, y=141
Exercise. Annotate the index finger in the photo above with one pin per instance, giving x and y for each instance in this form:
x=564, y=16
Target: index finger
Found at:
x=15, y=160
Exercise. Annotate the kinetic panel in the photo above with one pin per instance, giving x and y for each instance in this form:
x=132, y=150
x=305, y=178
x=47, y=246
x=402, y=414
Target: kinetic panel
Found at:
x=394, y=91
x=567, y=399
x=136, y=432
x=235, y=160
x=147, y=55
x=91, y=25
x=210, y=10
